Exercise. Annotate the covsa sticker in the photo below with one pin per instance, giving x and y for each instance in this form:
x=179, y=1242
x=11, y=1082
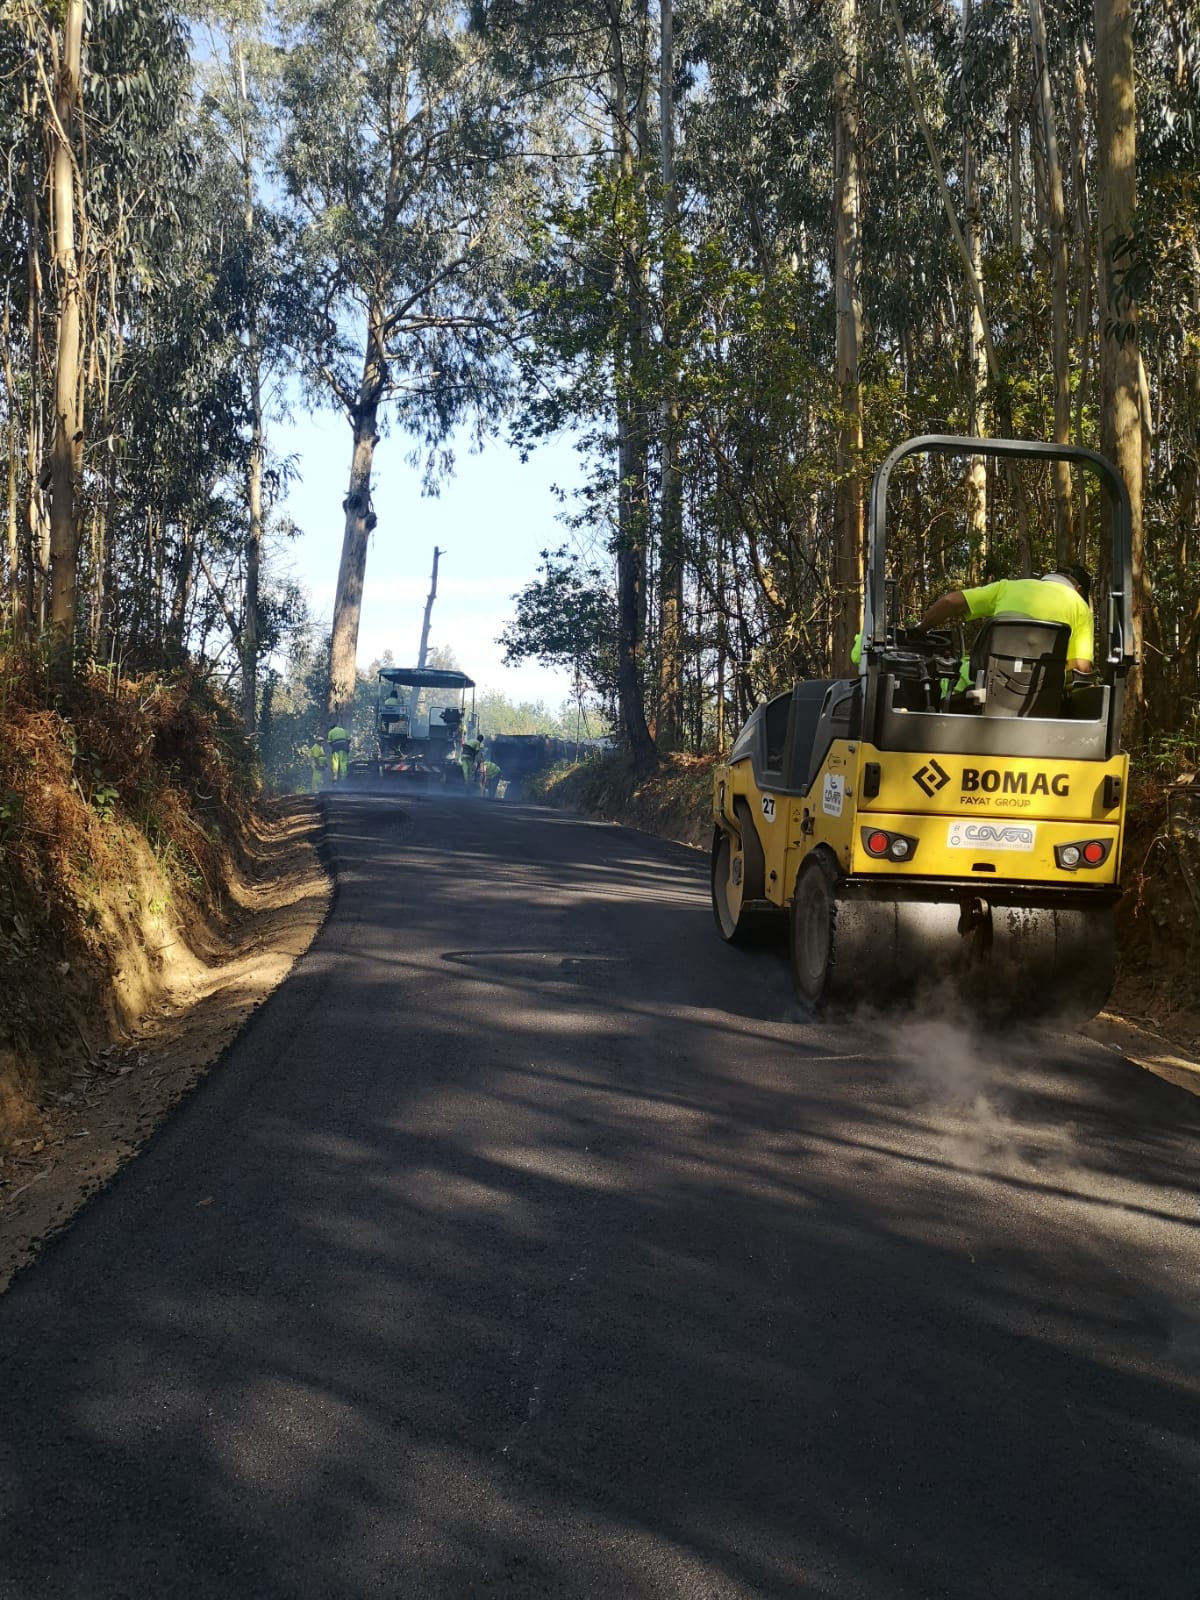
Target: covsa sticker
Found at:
x=991, y=836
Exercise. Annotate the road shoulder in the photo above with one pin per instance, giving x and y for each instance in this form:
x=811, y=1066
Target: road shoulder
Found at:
x=125, y=1092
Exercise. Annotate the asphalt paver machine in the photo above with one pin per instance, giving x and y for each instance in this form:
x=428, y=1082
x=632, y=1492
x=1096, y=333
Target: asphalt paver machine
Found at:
x=421, y=719
x=911, y=832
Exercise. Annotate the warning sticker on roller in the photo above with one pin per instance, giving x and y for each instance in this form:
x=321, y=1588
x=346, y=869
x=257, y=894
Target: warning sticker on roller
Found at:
x=833, y=795
x=991, y=836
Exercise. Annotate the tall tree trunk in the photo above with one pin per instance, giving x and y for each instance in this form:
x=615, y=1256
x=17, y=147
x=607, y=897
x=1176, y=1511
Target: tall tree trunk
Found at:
x=975, y=478
x=423, y=652
x=1015, y=119
x=254, y=459
x=11, y=611
x=1121, y=421
x=176, y=638
x=632, y=493
x=1060, y=268
x=37, y=525
x=1003, y=400
x=1082, y=245
x=671, y=553
x=848, y=495
x=66, y=450
x=360, y=519
x=1189, y=494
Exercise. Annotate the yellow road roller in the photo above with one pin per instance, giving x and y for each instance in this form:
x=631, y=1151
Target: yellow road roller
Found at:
x=949, y=817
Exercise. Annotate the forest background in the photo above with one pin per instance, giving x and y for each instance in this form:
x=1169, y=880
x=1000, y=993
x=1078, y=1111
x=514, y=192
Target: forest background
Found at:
x=739, y=251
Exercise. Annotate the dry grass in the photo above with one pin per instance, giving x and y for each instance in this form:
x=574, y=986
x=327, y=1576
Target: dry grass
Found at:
x=1159, y=917
x=674, y=801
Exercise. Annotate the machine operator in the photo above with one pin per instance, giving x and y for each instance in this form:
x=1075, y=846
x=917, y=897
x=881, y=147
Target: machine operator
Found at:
x=1063, y=595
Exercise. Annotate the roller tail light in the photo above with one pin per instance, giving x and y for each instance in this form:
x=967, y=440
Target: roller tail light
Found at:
x=884, y=846
x=1082, y=855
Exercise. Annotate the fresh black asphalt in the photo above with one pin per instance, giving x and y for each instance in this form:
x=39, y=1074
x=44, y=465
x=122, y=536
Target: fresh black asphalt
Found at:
x=530, y=1241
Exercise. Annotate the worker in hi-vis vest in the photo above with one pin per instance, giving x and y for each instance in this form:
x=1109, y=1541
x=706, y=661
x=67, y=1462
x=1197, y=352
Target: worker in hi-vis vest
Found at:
x=1060, y=596
x=489, y=776
x=1063, y=595
x=468, y=757
x=314, y=753
x=339, y=752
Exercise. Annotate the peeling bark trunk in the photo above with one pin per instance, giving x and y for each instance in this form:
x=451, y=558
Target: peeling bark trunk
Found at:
x=66, y=450
x=670, y=655
x=975, y=476
x=1121, y=421
x=1065, y=542
x=848, y=495
x=12, y=547
x=995, y=371
x=632, y=493
x=1016, y=201
x=356, y=532
x=254, y=460
x=1082, y=247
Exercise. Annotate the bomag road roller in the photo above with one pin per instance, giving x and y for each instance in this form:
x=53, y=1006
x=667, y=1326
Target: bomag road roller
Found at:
x=946, y=818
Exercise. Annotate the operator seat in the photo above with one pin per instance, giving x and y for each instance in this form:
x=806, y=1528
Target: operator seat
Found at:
x=1018, y=668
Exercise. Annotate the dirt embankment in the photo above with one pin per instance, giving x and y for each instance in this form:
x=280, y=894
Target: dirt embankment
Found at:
x=149, y=900
x=1154, y=1017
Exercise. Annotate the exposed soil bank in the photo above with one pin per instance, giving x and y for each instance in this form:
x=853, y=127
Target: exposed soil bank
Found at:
x=149, y=900
x=69, y=1120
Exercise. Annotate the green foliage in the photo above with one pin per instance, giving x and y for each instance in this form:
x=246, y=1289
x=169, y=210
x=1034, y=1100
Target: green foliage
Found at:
x=405, y=221
x=10, y=813
x=566, y=619
x=445, y=214
x=498, y=714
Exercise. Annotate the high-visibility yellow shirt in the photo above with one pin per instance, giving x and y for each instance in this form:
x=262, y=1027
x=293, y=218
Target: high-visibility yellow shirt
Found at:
x=1049, y=599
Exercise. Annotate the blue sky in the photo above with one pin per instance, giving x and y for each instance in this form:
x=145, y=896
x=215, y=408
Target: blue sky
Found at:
x=491, y=520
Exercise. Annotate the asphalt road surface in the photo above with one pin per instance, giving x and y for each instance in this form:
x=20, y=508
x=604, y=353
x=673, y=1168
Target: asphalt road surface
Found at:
x=532, y=1242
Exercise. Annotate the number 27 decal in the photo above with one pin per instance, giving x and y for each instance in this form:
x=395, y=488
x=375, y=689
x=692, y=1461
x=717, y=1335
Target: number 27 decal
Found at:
x=768, y=807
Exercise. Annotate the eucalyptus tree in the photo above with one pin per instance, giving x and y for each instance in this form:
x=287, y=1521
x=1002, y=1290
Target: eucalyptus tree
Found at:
x=78, y=238
x=1122, y=422
x=399, y=157
x=1161, y=260
x=989, y=212
x=848, y=301
x=238, y=111
x=597, y=59
x=1060, y=317
x=64, y=122
x=672, y=560
x=142, y=244
x=45, y=47
x=173, y=447
x=765, y=403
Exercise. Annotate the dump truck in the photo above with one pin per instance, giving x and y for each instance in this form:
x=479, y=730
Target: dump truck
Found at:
x=520, y=755
x=910, y=833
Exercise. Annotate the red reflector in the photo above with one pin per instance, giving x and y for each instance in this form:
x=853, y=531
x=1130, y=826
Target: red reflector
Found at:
x=877, y=843
x=1093, y=853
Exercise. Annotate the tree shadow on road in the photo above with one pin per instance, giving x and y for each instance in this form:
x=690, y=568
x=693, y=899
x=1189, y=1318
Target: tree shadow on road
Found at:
x=465, y=1278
